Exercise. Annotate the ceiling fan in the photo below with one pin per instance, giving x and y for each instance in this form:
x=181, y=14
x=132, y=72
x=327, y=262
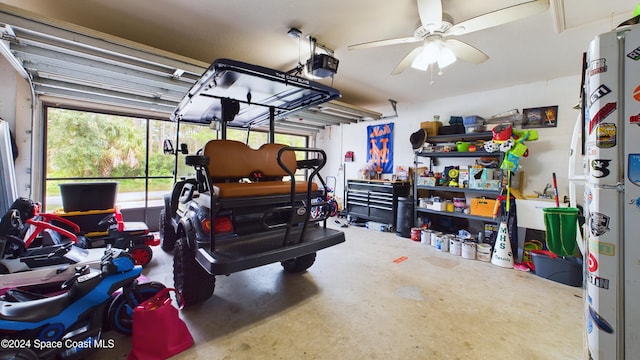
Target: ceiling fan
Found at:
x=437, y=29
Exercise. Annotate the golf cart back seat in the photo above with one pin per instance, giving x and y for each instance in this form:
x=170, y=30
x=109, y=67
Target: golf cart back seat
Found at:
x=231, y=161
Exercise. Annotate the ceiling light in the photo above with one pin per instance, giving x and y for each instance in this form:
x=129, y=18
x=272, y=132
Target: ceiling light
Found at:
x=433, y=51
x=447, y=57
x=429, y=54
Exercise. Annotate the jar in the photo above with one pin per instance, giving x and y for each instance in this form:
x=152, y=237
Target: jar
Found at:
x=449, y=206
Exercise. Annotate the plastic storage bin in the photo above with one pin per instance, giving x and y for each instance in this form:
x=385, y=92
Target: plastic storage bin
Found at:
x=472, y=120
x=566, y=271
x=88, y=196
x=452, y=129
x=474, y=128
x=88, y=221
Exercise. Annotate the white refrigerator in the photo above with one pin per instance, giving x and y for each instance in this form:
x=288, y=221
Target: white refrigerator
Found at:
x=612, y=195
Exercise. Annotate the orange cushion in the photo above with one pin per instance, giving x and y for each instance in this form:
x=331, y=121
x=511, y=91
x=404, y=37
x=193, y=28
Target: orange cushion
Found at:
x=230, y=159
x=233, y=159
x=264, y=188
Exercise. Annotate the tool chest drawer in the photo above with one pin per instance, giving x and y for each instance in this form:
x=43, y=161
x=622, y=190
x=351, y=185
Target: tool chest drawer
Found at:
x=375, y=200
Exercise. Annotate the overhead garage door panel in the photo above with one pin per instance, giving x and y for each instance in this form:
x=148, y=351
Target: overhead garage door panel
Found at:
x=69, y=64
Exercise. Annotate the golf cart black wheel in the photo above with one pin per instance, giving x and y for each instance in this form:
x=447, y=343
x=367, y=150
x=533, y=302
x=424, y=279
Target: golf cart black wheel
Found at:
x=120, y=313
x=167, y=235
x=4, y=269
x=18, y=354
x=194, y=283
x=299, y=264
x=142, y=254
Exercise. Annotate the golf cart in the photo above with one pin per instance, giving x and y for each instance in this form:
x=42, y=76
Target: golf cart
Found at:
x=244, y=207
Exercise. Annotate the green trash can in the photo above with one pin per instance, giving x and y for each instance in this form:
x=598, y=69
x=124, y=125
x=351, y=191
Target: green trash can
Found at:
x=562, y=226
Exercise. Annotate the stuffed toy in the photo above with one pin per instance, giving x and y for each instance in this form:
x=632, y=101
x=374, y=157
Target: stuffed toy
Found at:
x=511, y=142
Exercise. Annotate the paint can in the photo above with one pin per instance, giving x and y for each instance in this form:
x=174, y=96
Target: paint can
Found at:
x=434, y=238
x=454, y=246
x=425, y=237
x=442, y=243
x=415, y=234
x=483, y=252
x=469, y=250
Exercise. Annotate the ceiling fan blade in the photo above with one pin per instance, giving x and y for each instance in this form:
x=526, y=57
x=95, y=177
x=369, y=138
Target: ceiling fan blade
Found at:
x=500, y=17
x=404, y=40
x=407, y=60
x=465, y=51
x=430, y=12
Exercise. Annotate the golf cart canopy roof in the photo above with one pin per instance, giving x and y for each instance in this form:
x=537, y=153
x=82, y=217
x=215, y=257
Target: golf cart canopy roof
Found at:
x=254, y=92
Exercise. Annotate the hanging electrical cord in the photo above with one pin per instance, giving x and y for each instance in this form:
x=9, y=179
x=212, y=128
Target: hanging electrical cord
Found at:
x=296, y=33
x=312, y=48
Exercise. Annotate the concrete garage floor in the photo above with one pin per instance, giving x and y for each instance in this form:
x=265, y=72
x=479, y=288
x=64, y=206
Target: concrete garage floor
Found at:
x=355, y=302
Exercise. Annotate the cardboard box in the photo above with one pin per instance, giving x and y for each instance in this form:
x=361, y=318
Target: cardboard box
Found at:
x=483, y=207
x=485, y=184
x=432, y=127
x=463, y=177
x=490, y=233
x=426, y=181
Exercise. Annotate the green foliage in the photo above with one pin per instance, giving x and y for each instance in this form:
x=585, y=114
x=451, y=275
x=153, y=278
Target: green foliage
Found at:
x=85, y=145
x=160, y=164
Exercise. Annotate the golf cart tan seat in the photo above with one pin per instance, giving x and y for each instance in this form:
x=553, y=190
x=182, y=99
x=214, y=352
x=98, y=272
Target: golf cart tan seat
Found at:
x=232, y=162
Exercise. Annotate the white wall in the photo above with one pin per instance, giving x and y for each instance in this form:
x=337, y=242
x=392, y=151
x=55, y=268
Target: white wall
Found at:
x=547, y=155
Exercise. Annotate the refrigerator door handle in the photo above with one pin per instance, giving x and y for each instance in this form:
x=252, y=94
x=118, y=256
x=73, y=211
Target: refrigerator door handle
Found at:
x=574, y=150
x=574, y=178
x=618, y=186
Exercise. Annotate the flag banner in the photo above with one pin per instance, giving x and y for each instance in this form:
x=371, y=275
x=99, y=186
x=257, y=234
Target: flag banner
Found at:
x=380, y=147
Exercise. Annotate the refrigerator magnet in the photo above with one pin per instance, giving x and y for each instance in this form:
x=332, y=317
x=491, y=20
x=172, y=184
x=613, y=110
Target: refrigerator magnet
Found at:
x=633, y=169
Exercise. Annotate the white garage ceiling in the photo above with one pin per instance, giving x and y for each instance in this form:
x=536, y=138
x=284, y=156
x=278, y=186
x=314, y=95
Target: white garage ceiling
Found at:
x=545, y=46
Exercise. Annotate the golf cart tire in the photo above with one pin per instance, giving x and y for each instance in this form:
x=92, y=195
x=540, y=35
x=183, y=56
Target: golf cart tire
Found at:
x=192, y=280
x=166, y=232
x=299, y=264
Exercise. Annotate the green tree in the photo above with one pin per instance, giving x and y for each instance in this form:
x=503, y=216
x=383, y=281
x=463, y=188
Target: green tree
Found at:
x=85, y=144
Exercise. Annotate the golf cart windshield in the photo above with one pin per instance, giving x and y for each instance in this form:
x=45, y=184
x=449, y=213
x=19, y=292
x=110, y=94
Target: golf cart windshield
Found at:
x=244, y=95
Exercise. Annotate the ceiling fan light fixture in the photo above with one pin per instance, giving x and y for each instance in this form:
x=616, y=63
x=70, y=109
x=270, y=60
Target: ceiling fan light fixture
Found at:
x=447, y=57
x=436, y=26
x=430, y=54
x=420, y=63
x=434, y=51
